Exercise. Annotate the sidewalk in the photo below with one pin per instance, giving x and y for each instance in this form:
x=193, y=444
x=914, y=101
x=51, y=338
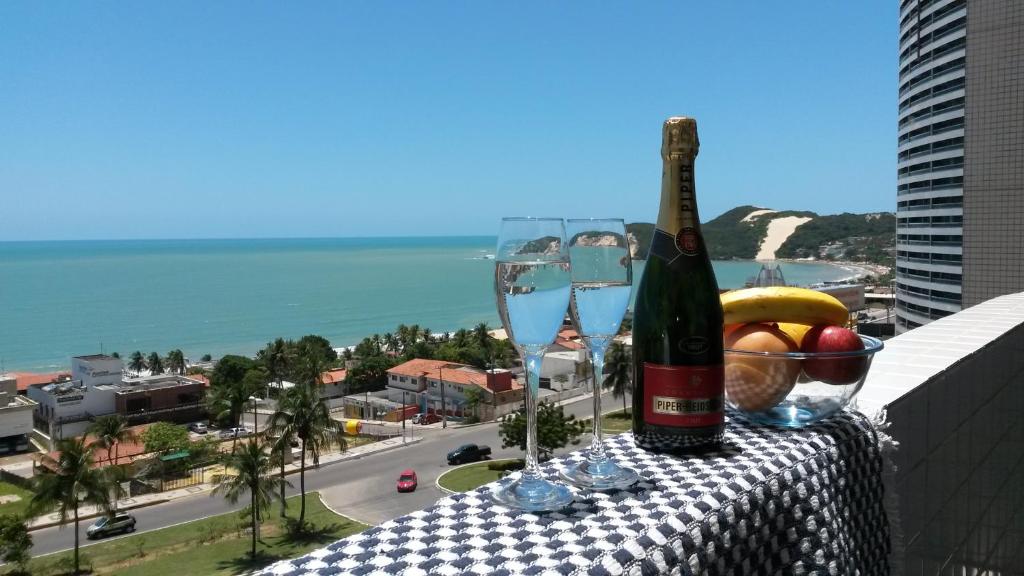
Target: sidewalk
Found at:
x=134, y=502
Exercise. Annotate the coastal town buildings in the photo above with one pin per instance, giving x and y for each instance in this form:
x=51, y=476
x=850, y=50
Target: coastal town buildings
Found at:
x=959, y=186
x=98, y=387
x=15, y=417
x=430, y=384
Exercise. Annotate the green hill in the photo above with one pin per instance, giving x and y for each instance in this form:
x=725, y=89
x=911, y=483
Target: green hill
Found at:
x=865, y=237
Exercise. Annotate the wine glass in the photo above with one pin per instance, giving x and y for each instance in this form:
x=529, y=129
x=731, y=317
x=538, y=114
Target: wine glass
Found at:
x=602, y=278
x=532, y=282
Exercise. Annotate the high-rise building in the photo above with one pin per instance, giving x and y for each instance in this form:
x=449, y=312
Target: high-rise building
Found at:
x=960, y=184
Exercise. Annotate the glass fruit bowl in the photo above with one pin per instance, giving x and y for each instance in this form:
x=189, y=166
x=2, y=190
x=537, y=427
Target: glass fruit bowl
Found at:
x=795, y=388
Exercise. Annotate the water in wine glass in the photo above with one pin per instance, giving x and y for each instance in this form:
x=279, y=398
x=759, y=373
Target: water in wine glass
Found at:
x=532, y=299
x=602, y=277
x=597, y=307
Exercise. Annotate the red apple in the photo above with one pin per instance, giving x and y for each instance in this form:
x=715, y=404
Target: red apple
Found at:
x=833, y=370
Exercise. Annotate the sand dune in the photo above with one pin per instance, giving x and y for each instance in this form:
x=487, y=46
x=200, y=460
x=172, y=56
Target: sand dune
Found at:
x=779, y=230
x=756, y=213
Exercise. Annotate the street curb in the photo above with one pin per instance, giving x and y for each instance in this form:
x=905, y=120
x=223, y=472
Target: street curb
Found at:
x=320, y=495
x=437, y=481
x=288, y=473
x=97, y=515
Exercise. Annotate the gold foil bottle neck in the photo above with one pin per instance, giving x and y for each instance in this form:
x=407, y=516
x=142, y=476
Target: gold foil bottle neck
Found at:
x=679, y=137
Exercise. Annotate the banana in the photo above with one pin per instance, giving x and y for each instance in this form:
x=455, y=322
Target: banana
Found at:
x=783, y=304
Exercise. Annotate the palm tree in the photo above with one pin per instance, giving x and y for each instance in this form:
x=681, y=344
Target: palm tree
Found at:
x=176, y=362
x=252, y=466
x=617, y=369
x=277, y=360
x=227, y=401
x=137, y=362
x=69, y=482
x=301, y=414
x=156, y=363
x=482, y=337
x=110, y=431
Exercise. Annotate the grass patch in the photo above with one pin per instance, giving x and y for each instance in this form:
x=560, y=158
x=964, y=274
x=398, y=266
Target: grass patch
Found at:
x=469, y=477
x=215, y=545
x=18, y=506
x=617, y=422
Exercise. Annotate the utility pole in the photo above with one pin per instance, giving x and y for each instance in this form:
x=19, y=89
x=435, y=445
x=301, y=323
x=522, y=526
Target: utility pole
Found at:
x=444, y=410
x=403, y=416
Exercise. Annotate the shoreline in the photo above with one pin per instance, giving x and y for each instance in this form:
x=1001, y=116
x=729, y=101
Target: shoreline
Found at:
x=858, y=270
x=196, y=344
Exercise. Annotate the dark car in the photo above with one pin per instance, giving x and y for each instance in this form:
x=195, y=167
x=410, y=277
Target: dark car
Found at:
x=468, y=453
x=119, y=523
x=407, y=481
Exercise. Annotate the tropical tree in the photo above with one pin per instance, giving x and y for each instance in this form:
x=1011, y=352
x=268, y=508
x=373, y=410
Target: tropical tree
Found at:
x=70, y=481
x=15, y=542
x=110, y=431
x=618, y=368
x=229, y=390
x=156, y=363
x=251, y=472
x=301, y=414
x=474, y=397
x=137, y=362
x=277, y=358
x=176, y=362
x=554, y=430
x=164, y=438
x=482, y=337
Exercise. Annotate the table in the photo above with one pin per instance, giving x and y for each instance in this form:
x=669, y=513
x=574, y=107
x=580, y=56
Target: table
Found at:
x=771, y=501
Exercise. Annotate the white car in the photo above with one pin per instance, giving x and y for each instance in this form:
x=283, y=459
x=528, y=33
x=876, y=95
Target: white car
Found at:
x=198, y=428
x=238, y=432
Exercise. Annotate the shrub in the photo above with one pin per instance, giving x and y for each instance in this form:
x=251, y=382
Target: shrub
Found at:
x=506, y=466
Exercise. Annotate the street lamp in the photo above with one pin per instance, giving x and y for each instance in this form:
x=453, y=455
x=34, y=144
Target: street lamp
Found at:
x=444, y=409
x=255, y=424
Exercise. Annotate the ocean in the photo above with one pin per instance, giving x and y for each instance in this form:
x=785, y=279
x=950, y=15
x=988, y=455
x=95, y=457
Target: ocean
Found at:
x=62, y=299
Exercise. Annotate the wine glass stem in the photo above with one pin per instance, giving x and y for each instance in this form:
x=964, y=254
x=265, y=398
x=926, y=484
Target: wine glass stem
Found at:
x=533, y=363
x=597, y=348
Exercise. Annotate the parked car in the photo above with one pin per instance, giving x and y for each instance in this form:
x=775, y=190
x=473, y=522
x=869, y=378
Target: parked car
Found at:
x=238, y=432
x=119, y=523
x=198, y=428
x=407, y=481
x=468, y=453
x=425, y=419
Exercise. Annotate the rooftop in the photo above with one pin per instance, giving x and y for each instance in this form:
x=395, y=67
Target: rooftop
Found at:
x=95, y=357
x=334, y=376
x=157, y=382
x=449, y=371
x=15, y=402
x=26, y=379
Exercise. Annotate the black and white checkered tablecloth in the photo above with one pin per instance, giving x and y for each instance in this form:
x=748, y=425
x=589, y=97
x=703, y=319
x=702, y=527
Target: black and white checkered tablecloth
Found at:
x=772, y=501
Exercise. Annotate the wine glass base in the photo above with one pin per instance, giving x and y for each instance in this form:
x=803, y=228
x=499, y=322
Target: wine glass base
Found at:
x=600, y=475
x=533, y=495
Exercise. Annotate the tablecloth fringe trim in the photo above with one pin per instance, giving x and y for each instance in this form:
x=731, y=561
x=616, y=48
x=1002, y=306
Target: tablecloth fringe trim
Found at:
x=891, y=501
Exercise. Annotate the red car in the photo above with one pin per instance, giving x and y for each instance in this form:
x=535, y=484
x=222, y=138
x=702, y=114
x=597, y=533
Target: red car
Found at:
x=407, y=481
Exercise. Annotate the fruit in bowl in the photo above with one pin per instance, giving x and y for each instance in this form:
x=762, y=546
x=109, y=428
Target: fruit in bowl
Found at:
x=833, y=370
x=758, y=382
x=789, y=358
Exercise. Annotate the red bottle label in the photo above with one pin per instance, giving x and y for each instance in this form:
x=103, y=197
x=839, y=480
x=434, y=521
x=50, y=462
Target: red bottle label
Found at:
x=683, y=396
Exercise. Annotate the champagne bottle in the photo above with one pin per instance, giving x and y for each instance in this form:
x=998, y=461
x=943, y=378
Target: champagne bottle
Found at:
x=678, y=403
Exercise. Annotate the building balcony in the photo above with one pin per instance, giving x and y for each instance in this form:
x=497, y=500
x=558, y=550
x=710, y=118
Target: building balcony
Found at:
x=947, y=400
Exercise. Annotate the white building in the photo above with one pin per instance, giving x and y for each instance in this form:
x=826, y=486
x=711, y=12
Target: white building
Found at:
x=15, y=417
x=563, y=370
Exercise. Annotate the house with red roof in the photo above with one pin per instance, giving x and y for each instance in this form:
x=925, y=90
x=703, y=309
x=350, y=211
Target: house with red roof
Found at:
x=439, y=386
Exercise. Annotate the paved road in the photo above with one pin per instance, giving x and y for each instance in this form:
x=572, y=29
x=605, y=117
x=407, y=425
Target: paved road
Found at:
x=363, y=488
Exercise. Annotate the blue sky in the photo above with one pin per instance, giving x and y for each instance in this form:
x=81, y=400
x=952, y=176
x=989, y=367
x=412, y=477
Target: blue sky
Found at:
x=242, y=119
